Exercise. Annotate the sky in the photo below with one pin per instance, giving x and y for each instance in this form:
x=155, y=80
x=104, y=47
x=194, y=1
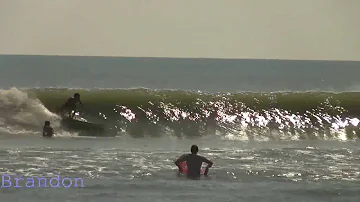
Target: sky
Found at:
x=261, y=29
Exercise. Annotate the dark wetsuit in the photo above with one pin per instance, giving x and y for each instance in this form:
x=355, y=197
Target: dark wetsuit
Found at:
x=194, y=163
x=70, y=105
x=48, y=131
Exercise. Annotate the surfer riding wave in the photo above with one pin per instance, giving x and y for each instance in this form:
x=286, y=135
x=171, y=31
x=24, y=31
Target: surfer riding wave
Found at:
x=70, y=105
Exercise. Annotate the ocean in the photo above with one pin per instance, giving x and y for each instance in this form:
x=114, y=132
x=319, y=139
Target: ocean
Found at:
x=276, y=130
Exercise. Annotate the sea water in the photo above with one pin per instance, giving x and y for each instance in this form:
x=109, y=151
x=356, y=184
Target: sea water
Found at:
x=275, y=130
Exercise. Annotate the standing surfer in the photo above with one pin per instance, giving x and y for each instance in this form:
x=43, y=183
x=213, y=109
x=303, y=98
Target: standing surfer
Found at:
x=193, y=162
x=70, y=105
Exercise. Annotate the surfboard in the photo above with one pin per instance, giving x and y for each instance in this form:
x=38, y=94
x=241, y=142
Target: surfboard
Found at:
x=81, y=125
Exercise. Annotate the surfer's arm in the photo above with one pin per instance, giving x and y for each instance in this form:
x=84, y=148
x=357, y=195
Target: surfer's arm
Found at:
x=207, y=161
x=209, y=164
x=178, y=161
x=80, y=103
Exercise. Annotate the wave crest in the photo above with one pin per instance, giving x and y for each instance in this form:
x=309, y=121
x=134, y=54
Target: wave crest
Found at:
x=245, y=116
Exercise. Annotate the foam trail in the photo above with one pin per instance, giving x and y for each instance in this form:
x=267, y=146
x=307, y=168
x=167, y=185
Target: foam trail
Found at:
x=23, y=114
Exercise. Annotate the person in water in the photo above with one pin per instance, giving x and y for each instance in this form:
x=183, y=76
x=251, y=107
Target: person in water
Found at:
x=194, y=163
x=48, y=131
x=70, y=105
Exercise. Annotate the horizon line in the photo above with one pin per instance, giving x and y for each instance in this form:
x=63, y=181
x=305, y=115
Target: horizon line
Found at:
x=162, y=57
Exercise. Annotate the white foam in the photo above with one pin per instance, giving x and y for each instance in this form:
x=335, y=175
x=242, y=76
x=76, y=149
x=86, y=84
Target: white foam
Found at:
x=21, y=113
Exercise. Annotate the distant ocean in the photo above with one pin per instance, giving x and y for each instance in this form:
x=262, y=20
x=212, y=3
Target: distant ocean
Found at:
x=276, y=130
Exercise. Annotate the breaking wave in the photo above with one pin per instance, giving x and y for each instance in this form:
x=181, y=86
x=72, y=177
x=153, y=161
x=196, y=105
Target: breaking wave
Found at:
x=242, y=116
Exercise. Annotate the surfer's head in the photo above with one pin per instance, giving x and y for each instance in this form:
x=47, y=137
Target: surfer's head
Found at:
x=194, y=149
x=77, y=96
x=47, y=123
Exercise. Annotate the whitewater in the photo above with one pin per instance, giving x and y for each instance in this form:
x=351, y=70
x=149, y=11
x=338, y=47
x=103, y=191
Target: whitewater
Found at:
x=275, y=130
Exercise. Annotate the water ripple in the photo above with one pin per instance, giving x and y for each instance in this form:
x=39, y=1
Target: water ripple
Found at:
x=294, y=164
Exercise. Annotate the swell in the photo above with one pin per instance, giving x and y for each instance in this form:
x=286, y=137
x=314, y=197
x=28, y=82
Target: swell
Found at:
x=247, y=115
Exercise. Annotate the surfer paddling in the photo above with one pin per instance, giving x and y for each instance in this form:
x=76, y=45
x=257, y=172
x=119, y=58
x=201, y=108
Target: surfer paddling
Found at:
x=48, y=131
x=70, y=105
x=193, y=162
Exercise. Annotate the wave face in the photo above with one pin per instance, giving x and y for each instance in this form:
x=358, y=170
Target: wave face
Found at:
x=237, y=116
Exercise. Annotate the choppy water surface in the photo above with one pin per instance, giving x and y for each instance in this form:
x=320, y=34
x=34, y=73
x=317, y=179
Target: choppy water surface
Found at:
x=124, y=169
